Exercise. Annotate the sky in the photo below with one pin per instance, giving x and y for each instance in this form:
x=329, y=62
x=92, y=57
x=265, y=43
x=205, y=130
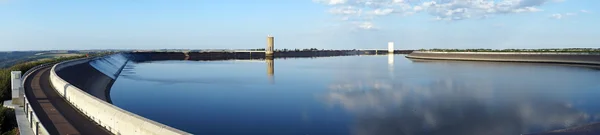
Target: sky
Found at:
x=327, y=24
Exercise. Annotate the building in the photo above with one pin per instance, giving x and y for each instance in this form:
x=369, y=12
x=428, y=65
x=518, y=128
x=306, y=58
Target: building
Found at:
x=390, y=47
x=17, y=88
x=270, y=45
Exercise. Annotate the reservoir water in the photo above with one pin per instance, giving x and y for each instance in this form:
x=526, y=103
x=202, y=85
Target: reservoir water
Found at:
x=362, y=95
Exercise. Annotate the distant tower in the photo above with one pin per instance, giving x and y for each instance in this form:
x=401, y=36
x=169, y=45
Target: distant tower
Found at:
x=17, y=89
x=390, y=47
x=270, y=45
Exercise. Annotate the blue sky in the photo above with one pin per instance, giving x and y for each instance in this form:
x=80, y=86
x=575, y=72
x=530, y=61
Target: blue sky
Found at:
x=329, y=24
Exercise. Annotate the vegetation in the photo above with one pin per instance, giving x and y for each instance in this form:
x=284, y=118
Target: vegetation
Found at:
x=9, y=123
x=7, y=117
x=8, y=59
x=11, y=58
x=557, y=50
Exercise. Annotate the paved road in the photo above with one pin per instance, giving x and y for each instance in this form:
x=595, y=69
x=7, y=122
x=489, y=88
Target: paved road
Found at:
x=54, y=112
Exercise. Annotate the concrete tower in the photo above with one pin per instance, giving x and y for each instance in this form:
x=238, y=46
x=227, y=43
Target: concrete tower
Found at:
x=17, y=89
x=390, y=47
x=270, y=45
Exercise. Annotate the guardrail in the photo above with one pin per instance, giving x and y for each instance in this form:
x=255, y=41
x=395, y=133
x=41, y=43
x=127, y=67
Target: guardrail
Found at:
x=112, y=118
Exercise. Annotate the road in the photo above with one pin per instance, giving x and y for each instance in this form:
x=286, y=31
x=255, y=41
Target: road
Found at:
x=55, y=113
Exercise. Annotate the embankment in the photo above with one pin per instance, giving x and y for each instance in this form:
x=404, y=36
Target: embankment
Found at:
x=77, y=82
x=565, y=58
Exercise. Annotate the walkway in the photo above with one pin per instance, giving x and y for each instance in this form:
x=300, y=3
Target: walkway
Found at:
x=55, y=113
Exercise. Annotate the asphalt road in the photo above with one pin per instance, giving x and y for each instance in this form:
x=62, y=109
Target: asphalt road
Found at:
x=54, y=112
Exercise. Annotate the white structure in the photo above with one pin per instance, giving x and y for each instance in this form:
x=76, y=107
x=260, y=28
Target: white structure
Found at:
x=390, y=47
x=17, y=88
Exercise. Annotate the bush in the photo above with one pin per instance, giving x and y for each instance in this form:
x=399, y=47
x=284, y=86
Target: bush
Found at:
x=14, y=131
x=8, y=119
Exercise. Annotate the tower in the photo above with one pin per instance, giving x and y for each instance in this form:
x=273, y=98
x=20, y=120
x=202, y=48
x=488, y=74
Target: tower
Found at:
x=390, y=47
x=270, y=45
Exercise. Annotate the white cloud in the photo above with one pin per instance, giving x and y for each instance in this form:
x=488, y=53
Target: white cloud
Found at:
x=347, y=10
x=556, y=16
x=331, y=2
x=584, y=11
x=382, y=11
x=562, y=16
x=417, y=8
x=366, y=25
x=449, y=10
x=465, y=9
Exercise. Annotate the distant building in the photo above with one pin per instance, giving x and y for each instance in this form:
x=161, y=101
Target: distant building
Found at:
x=390, y=47
x=270, y=45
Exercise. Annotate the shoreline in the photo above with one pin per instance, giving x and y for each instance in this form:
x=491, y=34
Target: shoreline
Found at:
x=556, y=58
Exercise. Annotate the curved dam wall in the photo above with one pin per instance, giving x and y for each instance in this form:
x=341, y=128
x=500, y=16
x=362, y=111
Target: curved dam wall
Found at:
x=95, y=76
x=85, y=78
x=566, y=58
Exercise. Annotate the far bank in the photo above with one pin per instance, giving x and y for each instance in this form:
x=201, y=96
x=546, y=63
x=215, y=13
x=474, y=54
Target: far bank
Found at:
x=564, y=58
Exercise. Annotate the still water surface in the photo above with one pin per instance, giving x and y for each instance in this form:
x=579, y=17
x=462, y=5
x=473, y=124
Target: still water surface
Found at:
x=363, y=95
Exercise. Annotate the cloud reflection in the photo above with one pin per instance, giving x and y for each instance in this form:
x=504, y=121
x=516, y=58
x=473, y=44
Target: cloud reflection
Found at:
x=448, y=107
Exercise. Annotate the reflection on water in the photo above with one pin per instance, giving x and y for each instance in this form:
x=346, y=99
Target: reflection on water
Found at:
x=448, y=107
x=391, y=65
x=359, y=95
x=270, y=69
x=129, y=72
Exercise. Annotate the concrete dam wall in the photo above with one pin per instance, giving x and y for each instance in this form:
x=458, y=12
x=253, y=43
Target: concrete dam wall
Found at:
x=80, y=82
x=95, y=76
x=566, y=58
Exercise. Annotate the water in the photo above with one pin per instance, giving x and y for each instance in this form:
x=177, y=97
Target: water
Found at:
x=363, y=95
